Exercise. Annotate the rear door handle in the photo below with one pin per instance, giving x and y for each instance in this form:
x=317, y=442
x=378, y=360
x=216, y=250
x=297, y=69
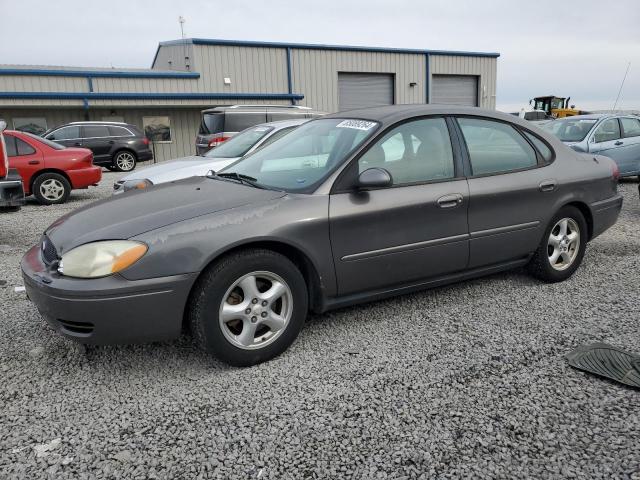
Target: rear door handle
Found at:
x=34, y=162
x=78, y=144
x=548, y=186
x=450, y=201
x=619, y=142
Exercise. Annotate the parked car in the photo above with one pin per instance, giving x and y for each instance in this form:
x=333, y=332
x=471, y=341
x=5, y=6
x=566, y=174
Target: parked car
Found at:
x=348, y=208
x=115, y=145
x=49, y=170
x=616, y=136
x=244, y=143
x=11, y=191
x=219, y=124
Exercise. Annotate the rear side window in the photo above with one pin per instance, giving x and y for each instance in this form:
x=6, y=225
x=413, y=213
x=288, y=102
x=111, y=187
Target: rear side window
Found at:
x=119, y=132
x=495, y=147
x=631, y=127
x=607, y=131
x=95, y=131
x=212, y=123
x=10, y=143
x=17, y=147
x=236, y=121
x=541, y=146
x=65, y=133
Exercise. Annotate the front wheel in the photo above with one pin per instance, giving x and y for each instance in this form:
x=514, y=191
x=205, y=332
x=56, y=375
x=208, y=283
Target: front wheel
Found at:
x=124, y=161
x=562, y=247
x=51, y=188
x=249, y=307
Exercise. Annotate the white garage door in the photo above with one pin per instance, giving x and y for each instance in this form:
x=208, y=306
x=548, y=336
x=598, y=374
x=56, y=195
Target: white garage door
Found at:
x=455, y=90
x=359, y=90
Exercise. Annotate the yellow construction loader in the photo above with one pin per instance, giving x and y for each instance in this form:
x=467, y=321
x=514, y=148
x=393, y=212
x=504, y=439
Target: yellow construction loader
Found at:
x=556, y=107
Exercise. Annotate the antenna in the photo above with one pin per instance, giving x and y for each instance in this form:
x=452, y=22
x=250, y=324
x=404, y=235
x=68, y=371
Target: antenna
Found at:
x=181, y=21
x=621, y=85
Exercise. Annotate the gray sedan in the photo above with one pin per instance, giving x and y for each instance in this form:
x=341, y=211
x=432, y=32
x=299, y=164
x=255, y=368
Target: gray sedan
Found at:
x=616, y=136
x=244, y=143
x=353, y=207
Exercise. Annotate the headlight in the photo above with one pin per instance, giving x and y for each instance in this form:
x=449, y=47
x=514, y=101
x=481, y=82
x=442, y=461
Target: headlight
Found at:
x=100, y=259
x=137, y=184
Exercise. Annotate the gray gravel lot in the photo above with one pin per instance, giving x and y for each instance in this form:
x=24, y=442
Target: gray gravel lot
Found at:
x=466, y=380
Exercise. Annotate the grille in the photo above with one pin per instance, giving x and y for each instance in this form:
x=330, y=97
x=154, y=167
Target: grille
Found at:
x=49, y=253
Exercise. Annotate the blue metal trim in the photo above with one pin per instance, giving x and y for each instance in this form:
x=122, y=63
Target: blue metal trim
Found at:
x=289, y=80
x=311, y=46
x=96, y=73
x=90, y=82
x=150, y=96
x=427, y=79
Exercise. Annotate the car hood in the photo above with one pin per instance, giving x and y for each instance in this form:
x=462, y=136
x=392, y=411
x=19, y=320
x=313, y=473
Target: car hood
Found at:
x=180, y=168
x=139, y=211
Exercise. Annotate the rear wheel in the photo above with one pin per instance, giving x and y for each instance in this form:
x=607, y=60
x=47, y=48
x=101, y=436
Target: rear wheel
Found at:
x=562, y=247
x=249, y=307
x=51, y=188
x=124, y=161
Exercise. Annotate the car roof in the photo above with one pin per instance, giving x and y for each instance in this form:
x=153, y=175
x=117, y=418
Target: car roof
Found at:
x=95, y=122
x=389, y=114
x=224, y=108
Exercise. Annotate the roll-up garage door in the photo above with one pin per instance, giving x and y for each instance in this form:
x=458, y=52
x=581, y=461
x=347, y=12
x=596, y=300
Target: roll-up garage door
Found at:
x=359, y=90
x=455, y=89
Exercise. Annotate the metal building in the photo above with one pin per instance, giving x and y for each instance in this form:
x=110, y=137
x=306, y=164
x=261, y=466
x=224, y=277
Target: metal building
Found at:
x=189, y=75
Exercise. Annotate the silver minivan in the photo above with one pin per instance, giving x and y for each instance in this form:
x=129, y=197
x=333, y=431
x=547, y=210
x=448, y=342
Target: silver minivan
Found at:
x=614, y=135
x=221, y=123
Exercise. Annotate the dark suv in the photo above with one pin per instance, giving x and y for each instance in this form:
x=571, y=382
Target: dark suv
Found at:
x=221, y=123
x=115, y=145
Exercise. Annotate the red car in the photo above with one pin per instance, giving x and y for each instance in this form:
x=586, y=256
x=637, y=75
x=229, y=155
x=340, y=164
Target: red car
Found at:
x=49, y=170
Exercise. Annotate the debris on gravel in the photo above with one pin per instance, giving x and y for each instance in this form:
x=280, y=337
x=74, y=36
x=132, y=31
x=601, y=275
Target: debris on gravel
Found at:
x=467, y=380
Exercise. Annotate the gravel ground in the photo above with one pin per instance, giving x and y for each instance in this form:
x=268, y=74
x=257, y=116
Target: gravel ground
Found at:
x=467, y=380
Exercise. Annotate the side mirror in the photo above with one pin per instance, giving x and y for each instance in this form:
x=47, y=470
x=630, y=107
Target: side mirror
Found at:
x=374, y=178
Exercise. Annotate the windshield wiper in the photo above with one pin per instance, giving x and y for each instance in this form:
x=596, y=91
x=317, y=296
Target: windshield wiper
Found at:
x=246, y=179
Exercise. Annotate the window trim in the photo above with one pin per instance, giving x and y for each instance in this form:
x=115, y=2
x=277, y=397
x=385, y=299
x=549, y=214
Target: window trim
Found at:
x=340, y=185
x=622, y=130
x=540, y=162
x=81, y=128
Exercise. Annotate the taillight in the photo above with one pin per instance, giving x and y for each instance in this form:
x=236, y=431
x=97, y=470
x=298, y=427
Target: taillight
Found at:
x=145, y=140
x=615, y=170
x=214, y=142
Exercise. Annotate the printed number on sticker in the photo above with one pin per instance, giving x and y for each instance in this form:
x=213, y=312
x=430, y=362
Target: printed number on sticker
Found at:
x=357, y=124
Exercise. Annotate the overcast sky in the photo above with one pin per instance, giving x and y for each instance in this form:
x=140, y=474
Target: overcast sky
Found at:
x=577, y=48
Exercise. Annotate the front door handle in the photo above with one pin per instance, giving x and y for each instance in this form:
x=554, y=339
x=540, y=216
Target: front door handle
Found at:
x=548, y=186
x=77, y=144
x=619, y=142
x=450, y=201
x=111, y=142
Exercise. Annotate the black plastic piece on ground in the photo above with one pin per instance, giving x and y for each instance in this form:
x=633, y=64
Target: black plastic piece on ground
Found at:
x=607, y=361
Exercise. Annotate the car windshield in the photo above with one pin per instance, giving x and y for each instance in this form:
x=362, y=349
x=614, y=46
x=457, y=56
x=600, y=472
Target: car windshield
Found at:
x=239, y=144
x=570, y=129
x=302, y=159
x=49, y=143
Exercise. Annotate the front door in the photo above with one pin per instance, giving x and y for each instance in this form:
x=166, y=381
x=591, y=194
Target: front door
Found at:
x=413, y=230
x=69, y=136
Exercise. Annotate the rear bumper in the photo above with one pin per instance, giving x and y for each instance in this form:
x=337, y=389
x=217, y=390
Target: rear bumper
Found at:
x=144, y=155
x=83, y=177
x=109, y=310
x=605, y=214
x=11, y=190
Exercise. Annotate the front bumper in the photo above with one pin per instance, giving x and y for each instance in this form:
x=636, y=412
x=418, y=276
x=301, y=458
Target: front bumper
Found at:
x=109, y=310
x=11, y=190
x=605, y=214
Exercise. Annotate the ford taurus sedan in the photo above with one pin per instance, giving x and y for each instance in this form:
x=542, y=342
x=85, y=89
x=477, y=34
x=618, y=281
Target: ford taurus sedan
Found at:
x=613, y=135
x=352, y=207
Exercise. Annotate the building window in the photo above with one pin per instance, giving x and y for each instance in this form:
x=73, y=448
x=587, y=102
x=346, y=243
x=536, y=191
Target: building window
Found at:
x=35, y=125
x=157, y=129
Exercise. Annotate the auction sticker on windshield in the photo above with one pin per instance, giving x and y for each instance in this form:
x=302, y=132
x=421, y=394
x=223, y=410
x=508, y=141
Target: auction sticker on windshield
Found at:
x=357, y=124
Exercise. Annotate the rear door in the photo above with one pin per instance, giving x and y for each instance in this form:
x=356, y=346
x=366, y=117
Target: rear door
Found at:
x=24, y=157
x=98, y=139
x=511, y=190
x=413, y=230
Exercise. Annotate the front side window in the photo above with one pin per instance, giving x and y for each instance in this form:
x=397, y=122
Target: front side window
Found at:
x=239, y=144
x=304, y=158
x=495, y=147
x=570, y=129
x=631, y=127
x=607, y=131
x=417, y=151
x=65, y=133
x=95, y=131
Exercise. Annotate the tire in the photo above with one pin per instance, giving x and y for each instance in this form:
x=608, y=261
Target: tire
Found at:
x=124, y=161
x=51, y=188
x=218, y=288
x=562, y=247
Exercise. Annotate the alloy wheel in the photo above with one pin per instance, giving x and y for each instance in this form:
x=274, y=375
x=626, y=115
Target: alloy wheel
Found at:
x=256, y=310
x=564, y=244
x=52, y=189
x=125, y=161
